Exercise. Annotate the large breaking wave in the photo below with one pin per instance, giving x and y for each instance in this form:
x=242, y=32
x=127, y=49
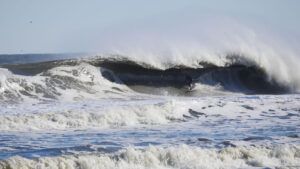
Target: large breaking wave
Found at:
x=108, y=75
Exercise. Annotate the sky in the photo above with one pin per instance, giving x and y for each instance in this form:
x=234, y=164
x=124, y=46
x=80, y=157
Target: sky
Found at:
x=63, y=26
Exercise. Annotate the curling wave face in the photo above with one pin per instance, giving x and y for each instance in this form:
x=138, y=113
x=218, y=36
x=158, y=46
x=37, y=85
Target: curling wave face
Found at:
x=116, y=75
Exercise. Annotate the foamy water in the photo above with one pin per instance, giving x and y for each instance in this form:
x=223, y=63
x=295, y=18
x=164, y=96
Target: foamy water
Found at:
x=81, y=114
x=154, y=132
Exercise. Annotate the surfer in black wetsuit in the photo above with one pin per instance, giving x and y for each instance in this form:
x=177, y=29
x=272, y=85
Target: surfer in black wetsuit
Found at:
x=189, y=82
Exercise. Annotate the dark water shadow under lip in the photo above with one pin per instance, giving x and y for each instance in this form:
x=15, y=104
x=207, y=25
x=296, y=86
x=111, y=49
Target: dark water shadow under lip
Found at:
x=233, y=78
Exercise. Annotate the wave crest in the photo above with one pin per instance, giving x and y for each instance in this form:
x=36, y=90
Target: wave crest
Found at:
x=64, y=82
x=93, y=76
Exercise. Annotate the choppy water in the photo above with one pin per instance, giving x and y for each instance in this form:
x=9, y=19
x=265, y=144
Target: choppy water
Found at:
x=101, y=128
x=91, y=121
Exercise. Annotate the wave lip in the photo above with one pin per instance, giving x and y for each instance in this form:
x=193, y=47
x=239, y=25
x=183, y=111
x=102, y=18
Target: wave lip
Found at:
x=95, y=76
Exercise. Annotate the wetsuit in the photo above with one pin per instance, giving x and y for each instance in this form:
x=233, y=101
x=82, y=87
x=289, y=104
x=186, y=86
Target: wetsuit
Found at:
x=189, y=81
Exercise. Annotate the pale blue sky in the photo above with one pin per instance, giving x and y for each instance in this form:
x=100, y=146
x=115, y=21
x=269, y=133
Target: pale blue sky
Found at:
x=41, y=26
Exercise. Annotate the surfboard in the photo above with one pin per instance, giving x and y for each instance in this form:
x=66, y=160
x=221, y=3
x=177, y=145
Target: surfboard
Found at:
x=190, y=88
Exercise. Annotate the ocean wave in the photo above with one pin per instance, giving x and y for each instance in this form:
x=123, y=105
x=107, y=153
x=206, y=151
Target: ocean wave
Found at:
x=286, y=156
x=99, y=75
x=63, y=82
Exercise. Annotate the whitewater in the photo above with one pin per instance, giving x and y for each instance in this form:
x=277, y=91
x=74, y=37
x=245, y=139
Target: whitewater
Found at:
x=120, y=111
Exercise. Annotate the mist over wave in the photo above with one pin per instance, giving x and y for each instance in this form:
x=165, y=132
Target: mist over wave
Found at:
x=208, y=41
x=211, y=39
x=113, y=75
x=91, y=76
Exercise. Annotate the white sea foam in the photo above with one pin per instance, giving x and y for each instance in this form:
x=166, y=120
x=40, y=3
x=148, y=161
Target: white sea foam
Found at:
x=63, y=82
x=183, y=156
x=91, y=116
x=116, y=113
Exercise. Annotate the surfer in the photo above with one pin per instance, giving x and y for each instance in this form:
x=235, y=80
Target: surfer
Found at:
x=189, y=82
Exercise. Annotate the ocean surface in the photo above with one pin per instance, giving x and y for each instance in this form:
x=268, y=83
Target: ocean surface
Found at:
x=118, y=111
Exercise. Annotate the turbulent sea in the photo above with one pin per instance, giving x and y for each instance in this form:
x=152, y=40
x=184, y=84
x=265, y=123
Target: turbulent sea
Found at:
x=119, y=111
